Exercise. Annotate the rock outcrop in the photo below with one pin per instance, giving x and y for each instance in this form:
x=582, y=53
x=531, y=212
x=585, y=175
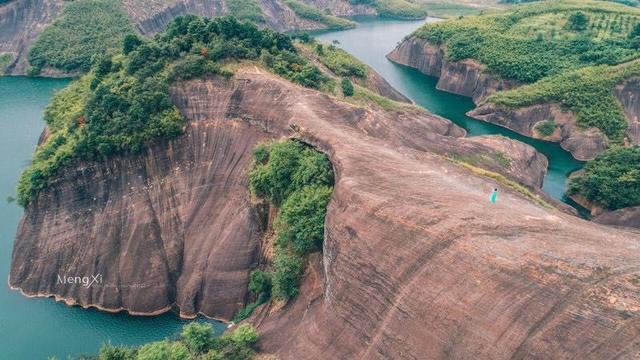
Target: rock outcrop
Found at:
x=21, y=21
x=629, y=217
x=582, y=144
x=416, y=262
x=628, y=93
x=173, y=226
x=466, y=78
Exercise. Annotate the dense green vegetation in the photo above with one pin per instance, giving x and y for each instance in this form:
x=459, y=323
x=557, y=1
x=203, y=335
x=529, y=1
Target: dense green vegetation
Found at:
x=311, y=13
x=246, y=10
x=612, y=180
x=588, y=92
x=340, y=62
x=546, y=128
x=124, y=101
x=196, y=342
x=298, y=180
x=86, y=29
x=571, y=51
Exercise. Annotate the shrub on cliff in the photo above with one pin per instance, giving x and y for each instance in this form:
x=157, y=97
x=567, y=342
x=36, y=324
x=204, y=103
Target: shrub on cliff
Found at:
x=612, y=180
x=298, y=180
x=123, y=103
x=197, y=342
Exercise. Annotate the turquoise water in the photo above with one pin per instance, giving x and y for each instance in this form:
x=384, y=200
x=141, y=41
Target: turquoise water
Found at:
x=37, y=328
x=373, y=39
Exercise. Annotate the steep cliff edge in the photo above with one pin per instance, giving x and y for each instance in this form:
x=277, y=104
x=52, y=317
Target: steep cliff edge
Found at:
x=174, y=226
x=416, y=262
x=469, y=78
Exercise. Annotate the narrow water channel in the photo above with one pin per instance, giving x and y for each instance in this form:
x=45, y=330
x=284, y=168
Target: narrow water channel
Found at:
x=374, y=38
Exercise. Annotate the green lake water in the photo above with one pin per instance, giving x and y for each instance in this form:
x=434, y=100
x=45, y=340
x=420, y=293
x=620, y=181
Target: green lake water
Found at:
x=32, y=329
x=373, y=39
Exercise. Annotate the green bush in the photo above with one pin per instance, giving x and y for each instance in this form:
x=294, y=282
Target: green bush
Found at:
x=299, y=180
x=260, y=282
x=123, y=103
x=197, y=342
x=612, y=180
x=198, y=337
x=399, y=9
x=578, y=21
x=341, y=62
x=300, y=224
x=347, y=87
x=546, y=128
x=287, y=273
x=87, y=28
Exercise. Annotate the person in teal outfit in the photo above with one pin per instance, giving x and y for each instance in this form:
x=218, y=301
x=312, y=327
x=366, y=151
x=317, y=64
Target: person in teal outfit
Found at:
x=494, y=196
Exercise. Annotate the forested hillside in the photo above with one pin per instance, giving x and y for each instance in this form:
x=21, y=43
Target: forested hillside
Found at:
x=571, y=53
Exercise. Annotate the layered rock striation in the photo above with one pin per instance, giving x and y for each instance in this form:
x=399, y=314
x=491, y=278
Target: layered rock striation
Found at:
x=416, y=262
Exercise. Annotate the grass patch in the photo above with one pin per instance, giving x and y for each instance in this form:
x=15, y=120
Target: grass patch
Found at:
x=246, y=10
x=504, y=181
x=340, y=62
x=448, y=10
x=546, y=128
x=311, y=13
x=87, y=28
x=399, y=9
x=123, y=103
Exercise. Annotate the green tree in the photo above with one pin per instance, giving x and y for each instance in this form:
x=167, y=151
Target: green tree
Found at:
x=260, y=282
x=612, y=179
x=288, y=270
x=198, y=336
x=130, y=43
x=347, y=87
x=578, y=21
x=163, y=350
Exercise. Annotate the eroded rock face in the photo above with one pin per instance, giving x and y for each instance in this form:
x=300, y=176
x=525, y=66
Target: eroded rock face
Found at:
x=416, y=262
x=628, y=93
x=582, y=144
x=21, y=21
x=173, y=226
x=466, y=78
x=152, y=16
x=629, y=217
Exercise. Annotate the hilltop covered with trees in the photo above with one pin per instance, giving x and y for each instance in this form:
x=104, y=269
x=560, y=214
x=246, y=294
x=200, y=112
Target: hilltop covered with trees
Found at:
x=571, y=53
x=124, y=102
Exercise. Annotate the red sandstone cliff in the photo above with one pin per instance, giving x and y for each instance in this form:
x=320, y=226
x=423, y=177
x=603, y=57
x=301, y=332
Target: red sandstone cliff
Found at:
x=416, y=263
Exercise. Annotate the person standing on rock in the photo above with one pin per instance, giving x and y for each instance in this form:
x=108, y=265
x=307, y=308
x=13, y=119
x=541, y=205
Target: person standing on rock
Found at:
x=494, y=196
